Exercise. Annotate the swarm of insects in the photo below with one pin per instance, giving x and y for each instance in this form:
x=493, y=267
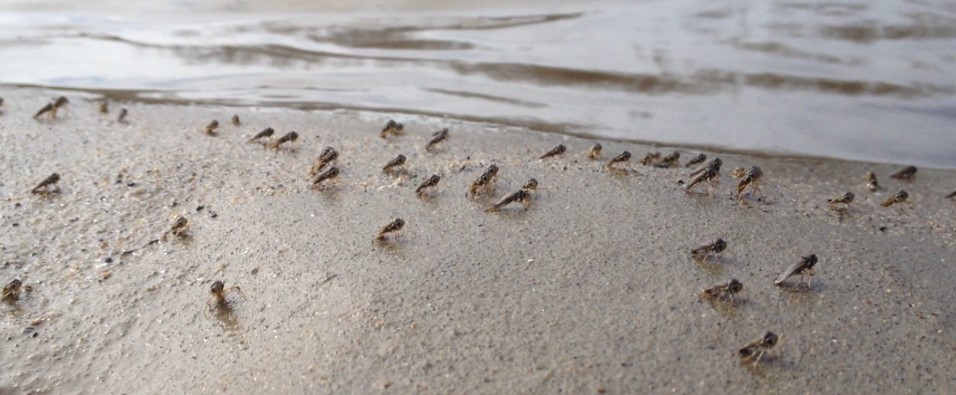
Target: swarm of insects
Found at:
x=700, y=158
x=844, y=199
x=267, y=132
x=286, y=138
x=705, y=251
x=724, y=292
x=437, y=138
x=53, y=107
x=211, y=127
x=752, y=352
x=45, y=185
x=392, y=227
x=624, y=158
x=803, y=268
x=594, y=152
x=899, y=197
x=327, y=156
x=484, y=183
x=560, y=149
x=392, y=128
x=907, y=173
x=430, y=182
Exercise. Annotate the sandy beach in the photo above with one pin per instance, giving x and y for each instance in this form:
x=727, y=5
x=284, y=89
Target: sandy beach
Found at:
x=590, y=290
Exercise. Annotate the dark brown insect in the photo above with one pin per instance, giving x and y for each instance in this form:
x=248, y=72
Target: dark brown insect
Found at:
x=750, y=179
x=392, y=227
x=624, y=157
x=486, y=182
x=594, y=152
x=44, y=186
x=899, y=197
x=803, y=267
x=724, y=291
x=752, y=352
x=122, y=116
x=393, y=128
x=104, y=107
x=53, y=107
x=394, y=165
x=219, y=292
x=520, y=195
x=329, y=174
x=951, y=195
x=430, y=182
x=907, y=173
x=437, y=137
x=267, y=132
x=235, y=120
x=844, y=199
x=328, y=155
x=650, y=158
x=671, y=160
x=703, y=252
x=11, y=291
x=180, y=228
x=871, y=182
x=531, y=185
x=286, y=138
x=709, y=172
x=554, y=151
x=700, y=158
x=211, y=127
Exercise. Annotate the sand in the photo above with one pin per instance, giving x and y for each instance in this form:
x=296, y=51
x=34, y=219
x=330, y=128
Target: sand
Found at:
x=589, y=290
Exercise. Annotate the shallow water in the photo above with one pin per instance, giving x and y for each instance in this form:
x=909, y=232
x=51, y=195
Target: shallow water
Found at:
x=867, y=80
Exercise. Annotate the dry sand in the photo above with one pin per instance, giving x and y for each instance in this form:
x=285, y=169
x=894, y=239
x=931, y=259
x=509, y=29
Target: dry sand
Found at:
x=590, y=290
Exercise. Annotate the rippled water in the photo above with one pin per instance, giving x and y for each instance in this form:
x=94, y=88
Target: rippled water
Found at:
x=870, y=80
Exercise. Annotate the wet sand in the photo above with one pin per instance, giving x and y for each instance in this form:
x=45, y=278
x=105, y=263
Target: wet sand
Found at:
x=589, y=290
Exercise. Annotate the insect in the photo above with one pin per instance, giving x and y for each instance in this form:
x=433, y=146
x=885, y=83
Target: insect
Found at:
x=554, y=151
x=594, y=152
x=394, y=165
x=752, y=352
x=235, y=120
x=700, y=158
x=750, y=179
x=485, y=182
x=531, y=185
x=267, y=132
x=44, y=186
x=703, y=252
x=286, y=138
x=392, y=227
x=521, y=195
x=671, y=160
x=624, y=157
x=951, y=195
x=709, y=172
x=843, y=199
x=52, y=107
x=211, y=127
x=803, y=267
x=650, y=158
x=871, y=182
x=104, y=107
x=430, y=182
x=122, y=116
x=899, y=197
x=328, y=155
x=724, y=291
x=329, y=174
x=12, y=290
x=907, y=173
x=219, y=292
x=437, y=137
x=392, y=127
x=180, y=228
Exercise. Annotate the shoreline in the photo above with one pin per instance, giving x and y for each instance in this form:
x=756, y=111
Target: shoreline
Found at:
x=591, y=288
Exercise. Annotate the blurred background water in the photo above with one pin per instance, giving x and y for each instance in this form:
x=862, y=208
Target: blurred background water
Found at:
x=860, y=80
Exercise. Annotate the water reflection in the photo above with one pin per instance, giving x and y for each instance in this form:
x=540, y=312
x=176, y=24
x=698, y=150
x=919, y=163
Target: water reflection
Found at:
x=855, y=80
